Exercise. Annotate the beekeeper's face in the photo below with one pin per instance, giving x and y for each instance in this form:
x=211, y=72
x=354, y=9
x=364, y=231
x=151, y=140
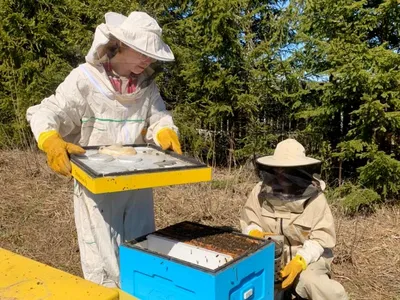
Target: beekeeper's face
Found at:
x=135, y=61
x=281, y=176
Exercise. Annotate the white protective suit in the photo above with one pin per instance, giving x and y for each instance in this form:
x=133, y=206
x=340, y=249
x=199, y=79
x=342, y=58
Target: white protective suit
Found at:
x=308, y=226
x=86, y=110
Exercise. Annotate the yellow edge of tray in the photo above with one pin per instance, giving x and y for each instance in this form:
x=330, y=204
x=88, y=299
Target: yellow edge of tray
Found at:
x=109, y=184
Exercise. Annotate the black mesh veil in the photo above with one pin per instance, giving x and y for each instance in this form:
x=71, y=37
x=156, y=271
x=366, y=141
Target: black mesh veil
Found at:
x=290, y=183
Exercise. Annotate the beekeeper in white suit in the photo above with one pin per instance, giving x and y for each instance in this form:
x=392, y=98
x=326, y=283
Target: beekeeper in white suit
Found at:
x=289, y=201
x=110, y=99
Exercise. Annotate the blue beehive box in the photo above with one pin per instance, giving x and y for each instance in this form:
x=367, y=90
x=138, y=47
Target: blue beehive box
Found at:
x=241, y=268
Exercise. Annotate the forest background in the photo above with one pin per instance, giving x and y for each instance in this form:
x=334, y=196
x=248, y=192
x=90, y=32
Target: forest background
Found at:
x=247, y=75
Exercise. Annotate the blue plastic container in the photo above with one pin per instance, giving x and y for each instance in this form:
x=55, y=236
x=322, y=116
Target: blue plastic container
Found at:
x=149, y=276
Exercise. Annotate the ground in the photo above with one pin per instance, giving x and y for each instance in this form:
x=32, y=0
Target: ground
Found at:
x=36, y=220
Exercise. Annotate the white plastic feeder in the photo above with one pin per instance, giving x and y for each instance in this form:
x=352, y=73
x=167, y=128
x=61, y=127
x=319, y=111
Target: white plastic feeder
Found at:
x=186, y=252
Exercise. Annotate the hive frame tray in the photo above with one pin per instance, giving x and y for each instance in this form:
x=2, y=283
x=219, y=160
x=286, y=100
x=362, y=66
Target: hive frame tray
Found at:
x=98, y=183
x=138, y=243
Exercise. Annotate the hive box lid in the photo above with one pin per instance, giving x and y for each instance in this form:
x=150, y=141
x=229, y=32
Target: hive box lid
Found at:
x=150, y=167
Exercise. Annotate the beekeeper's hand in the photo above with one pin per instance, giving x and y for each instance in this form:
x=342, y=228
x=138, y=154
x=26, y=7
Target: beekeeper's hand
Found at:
x=58, y=151
x=260, y=234
x=292, y=270
x=168, y=139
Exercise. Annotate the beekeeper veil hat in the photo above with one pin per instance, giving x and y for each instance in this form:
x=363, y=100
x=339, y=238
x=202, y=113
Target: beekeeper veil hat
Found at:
x=288, y=153
x=138, y=31
x=290, y=164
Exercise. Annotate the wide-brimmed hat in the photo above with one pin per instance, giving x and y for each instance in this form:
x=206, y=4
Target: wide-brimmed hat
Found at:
x=138, y=31
x=288, y=153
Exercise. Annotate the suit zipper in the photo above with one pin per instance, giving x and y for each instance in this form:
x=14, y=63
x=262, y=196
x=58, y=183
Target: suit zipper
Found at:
x=290, y=245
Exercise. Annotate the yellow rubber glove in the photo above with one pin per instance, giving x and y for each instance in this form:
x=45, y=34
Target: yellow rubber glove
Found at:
x=57, y=151
x=260, y=234
x=168, y=139
x=292, y=270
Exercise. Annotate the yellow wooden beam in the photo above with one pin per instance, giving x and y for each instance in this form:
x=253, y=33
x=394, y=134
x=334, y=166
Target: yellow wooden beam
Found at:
x=24, y=279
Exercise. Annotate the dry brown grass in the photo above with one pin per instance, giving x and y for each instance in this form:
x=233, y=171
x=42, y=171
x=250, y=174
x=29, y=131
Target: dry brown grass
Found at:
x=36, y=220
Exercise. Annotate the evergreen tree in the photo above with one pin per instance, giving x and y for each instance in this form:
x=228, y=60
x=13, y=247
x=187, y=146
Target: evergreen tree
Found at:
x=226, y=58
x=41, y=41
x=350, y=62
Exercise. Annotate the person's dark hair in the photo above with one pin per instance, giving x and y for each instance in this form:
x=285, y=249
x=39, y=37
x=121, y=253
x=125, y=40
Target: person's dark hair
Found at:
x=110, y=49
